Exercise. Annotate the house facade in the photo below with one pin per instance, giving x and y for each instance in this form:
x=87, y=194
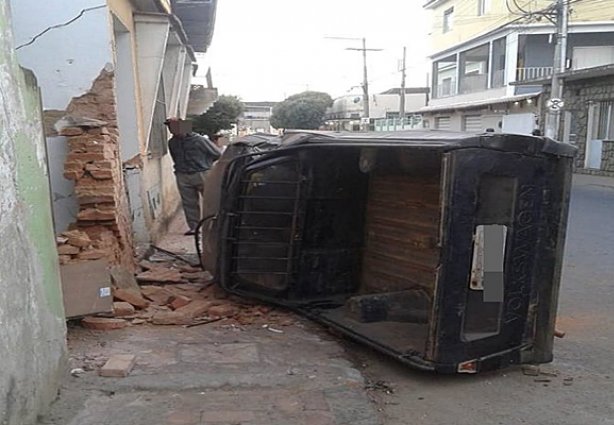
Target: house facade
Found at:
x=481, y=48
x=384, y=108
x=110, y=73
x=587, y=120
x=256, y=118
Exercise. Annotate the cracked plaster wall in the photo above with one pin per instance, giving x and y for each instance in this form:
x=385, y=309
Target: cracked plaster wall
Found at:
x=32, y=329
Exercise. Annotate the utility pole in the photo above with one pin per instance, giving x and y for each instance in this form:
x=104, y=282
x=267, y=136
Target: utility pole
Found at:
x=402, y=99
x=555, y=104
x=365, y=81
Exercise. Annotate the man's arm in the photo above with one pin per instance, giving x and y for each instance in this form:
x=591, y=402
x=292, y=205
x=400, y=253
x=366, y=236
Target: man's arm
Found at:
x=208, y=147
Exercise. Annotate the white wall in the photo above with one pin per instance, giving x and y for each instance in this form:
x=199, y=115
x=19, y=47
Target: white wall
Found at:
x=67, y=59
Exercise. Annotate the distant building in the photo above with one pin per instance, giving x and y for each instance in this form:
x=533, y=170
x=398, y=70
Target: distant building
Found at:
x=481, y=48
x=256, y=118
x=346, y=112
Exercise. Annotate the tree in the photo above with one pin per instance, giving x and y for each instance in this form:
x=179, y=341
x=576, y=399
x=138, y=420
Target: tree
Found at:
x=303, y=111
x=221, y=116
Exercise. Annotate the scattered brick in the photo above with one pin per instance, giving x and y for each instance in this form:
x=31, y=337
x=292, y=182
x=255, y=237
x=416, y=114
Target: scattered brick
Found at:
x=224, y=310
x=122, y=308
x=118, y=366
x=201, y=276
x=180, y=301
x=103, y=323
x=123, y=278
x=132, y=297
x=67, y=249
x=65, y=259
x=92, y=254
x=182, y=316
x=77, y=238
x=160, y=275
x=157, y=294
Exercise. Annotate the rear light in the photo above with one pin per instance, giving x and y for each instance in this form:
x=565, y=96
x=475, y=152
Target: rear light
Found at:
x=468, y=367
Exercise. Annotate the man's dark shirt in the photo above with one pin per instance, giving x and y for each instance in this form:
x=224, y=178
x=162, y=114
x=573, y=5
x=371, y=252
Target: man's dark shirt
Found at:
x=193, y=153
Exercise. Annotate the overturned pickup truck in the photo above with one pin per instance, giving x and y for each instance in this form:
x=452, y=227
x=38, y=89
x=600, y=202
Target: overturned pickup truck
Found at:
x=441, y=249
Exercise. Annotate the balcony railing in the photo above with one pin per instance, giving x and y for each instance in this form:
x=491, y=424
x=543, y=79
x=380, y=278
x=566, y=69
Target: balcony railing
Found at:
x=533, y=73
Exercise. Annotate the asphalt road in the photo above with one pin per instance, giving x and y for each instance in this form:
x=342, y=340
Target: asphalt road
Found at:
x=580, y=387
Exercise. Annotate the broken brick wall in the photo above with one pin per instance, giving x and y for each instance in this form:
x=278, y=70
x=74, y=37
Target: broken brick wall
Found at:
x=93, y=163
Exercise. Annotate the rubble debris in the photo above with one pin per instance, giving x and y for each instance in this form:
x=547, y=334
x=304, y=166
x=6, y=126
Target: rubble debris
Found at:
x=203, y=322
x=77, y=238
x=122, y=308
x=92, y=254
x=184, y=315
x=179, y=301
x=118, y=366
x=132, y=297
x=530, y=370
x=64, y=259
x=160, y=275
x=157, y=294
x=76, y=372
x=224, y=310
x=123, y=278
x=382, y=386
x=559, y=334
x=66, y=249
x=201, y=276
x=103, y=323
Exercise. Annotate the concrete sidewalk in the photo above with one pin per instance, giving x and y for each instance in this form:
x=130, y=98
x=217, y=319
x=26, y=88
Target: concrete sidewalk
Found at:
x=289, y=373
x=213, y=374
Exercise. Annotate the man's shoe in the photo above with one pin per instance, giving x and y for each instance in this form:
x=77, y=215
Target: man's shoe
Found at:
x=190, y=233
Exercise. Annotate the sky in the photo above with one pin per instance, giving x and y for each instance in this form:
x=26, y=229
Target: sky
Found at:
x=267, y=50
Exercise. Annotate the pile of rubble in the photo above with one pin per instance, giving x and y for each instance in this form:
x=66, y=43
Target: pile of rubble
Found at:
x=76, y=245
x=172, y=293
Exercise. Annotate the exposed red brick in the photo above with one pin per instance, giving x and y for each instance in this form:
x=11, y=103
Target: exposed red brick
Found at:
x=103, y=323
x=94, y=214
x=88, y=156
x=224, y=310
x=122, y=308
x=92, y=254
x=160, y=275
x=131, y=297
x=104, y=165
x=71, y=131
x=100, y=174
x=77, y=238
x=73, y=174
x=67, y=249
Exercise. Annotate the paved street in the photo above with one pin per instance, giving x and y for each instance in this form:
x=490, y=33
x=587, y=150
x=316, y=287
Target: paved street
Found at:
x=585, y=354
x=250, y=375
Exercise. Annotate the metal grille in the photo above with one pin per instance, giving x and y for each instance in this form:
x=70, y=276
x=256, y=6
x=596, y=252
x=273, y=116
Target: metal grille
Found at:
x=265, y=229
x=442, y=123
x=472, y=124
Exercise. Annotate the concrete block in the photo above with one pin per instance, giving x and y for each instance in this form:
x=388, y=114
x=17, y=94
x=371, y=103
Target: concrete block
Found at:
x=118, y=366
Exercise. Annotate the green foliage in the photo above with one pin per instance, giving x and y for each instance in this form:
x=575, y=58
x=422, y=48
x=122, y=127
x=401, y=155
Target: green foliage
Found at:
x=303, y=111
x=221, y=116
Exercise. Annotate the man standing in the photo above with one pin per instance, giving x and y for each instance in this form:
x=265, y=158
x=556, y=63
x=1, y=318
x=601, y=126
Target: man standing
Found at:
x=193, y=156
